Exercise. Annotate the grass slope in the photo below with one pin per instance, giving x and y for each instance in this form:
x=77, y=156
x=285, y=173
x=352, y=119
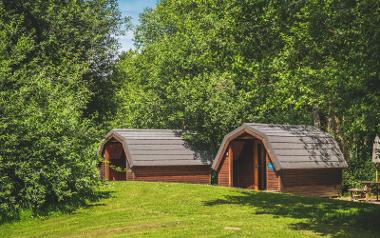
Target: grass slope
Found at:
x=138, y=209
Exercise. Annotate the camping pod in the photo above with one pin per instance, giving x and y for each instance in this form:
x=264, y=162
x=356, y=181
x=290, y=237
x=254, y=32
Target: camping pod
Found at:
x=285, y=158
x=152, y=155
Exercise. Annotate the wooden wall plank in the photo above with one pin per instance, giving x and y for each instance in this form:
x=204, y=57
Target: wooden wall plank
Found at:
x=183, y=174
x=273, y=180
x=223, y=175
x=106, y=163
x=320, y=182
x=230, y=166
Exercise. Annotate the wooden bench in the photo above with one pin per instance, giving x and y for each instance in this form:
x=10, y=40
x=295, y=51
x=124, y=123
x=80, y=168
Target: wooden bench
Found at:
x=360, y=194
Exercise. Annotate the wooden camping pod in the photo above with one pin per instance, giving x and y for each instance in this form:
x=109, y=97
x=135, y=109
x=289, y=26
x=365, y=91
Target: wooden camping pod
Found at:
x=284, y=158
x=152, y=155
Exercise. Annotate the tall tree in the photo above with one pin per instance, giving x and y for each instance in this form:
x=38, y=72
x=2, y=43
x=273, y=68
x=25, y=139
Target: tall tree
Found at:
x=208, y=66
x=55, y=57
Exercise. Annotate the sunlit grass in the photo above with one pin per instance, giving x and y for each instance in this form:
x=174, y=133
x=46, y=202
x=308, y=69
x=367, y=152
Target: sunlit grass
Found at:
x=138, y=209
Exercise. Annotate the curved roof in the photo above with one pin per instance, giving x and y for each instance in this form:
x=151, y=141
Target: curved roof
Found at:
x=290, y=146
x=154, y=147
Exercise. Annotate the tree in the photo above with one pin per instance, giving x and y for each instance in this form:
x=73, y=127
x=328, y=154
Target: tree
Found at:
x=55, y=57
x=209, y=66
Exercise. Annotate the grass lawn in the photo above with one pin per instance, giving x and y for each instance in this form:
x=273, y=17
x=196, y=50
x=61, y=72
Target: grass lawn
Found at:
x=140, y=209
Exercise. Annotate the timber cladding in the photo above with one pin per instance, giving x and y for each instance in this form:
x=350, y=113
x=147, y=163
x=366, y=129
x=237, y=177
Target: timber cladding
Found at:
x=272, y=178
x=223, y=175
x=285, y=158
x=179, y=174
x=325, y=182
x=152, y=155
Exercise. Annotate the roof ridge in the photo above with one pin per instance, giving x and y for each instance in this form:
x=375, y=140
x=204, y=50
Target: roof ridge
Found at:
x=277, y=124
x=144, y=129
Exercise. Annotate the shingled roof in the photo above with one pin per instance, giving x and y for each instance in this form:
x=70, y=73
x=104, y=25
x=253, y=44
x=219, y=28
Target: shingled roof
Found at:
x=155, y=147
x=291, y=146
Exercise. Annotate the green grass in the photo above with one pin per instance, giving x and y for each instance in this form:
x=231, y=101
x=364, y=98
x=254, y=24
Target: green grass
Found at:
x=138, y=209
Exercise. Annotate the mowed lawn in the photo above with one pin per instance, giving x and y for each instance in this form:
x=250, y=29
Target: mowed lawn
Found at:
x=143, y=209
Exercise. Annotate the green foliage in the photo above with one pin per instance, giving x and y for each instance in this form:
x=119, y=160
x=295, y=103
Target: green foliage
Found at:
x=53, y=55
x=208, y=66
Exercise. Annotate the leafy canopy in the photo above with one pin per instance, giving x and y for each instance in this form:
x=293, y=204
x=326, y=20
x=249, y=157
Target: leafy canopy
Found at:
x=55, y=58
x=208, y=66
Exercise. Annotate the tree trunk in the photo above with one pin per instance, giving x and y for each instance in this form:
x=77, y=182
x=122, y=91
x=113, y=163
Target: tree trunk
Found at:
x=316, y=118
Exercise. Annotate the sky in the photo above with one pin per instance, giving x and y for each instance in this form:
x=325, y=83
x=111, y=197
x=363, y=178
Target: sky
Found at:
x=132, y=8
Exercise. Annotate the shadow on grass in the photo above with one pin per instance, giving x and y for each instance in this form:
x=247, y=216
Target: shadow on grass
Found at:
x=91, y=200
x=324, y=216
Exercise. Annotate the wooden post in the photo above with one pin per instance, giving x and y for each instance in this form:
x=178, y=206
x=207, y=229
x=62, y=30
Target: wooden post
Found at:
x=376, y=160
x=262, y=166
x=267, y=161
x=255, y=165
x=366, y=188
x=266, y=170
x=107, y=163
x=127, y=168
x=376, y=154
x=231, y=166
x=376, y=182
